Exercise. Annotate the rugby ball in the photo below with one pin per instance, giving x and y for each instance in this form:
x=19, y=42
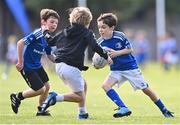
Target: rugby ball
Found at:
x=98, y=62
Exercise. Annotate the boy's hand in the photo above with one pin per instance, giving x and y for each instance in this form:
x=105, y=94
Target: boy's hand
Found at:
x=46, y=32
x=44, y=28
x=19, y=66
x=113, y=53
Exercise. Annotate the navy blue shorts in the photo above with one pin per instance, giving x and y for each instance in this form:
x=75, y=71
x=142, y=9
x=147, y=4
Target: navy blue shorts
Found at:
x=35, y=78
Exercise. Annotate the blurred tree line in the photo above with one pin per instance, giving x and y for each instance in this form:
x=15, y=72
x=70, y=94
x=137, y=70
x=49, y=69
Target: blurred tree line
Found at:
x=125, y=9
x=131, y=13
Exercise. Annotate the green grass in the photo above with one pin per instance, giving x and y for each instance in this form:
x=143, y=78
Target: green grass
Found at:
x=100, y=108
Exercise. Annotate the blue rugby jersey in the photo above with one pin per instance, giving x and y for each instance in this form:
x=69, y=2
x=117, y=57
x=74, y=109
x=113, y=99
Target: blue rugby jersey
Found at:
x=35, y=46
x=119, y=42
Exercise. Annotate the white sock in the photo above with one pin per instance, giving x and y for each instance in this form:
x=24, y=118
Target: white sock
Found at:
x=59, y=98
x=82, y=110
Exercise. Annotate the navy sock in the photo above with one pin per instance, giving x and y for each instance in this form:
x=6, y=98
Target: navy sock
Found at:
x=115, y=98
x=160, y=105
x=20, y=96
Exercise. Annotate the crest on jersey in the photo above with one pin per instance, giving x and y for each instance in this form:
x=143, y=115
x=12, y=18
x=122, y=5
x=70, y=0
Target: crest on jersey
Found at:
x=118, y=45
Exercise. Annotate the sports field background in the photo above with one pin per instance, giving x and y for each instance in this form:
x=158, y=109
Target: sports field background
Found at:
x=100, y=108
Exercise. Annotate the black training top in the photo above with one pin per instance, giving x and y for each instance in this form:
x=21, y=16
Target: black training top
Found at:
x=71, y=43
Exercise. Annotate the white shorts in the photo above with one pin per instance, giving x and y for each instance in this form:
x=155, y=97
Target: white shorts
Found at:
x=135, y=78
x=71, y=76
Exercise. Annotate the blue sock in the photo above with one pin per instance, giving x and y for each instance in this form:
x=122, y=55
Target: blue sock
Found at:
x=115, y=98
x=160, y=105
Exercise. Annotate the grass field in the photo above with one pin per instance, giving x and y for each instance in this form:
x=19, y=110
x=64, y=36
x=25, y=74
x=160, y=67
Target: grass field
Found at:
x=100, y=108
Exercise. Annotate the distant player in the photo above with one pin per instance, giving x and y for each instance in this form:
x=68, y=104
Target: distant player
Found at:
x=141, y=47
x=168, y=50
x=71, y=44
x=29, y=61
x=11, y=56
x=124, y=66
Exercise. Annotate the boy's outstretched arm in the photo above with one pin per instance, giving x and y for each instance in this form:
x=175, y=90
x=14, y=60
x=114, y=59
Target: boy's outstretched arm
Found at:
x=20, y=47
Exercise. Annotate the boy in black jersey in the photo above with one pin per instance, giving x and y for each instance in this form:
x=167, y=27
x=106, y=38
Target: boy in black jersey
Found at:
x=71, y=44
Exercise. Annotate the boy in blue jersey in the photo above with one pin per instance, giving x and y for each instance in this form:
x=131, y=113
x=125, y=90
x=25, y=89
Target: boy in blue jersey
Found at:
x=124, y=66
x=30, y=50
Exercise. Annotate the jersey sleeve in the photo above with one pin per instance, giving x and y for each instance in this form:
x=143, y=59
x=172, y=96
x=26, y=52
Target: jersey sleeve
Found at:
x=56, y=38
x=29, y=39
x=33, y=36
x=94, y=45
x=127, y=44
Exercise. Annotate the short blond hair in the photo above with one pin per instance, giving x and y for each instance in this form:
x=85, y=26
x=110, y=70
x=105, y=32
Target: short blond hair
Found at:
x=80, y=15
x=47, y=13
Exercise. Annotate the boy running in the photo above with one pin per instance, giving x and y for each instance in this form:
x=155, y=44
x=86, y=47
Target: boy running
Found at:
x=124, y=66
x=71, y=44
x=30, y=50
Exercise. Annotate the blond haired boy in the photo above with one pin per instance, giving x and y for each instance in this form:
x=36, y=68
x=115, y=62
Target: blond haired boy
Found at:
x=71, y=44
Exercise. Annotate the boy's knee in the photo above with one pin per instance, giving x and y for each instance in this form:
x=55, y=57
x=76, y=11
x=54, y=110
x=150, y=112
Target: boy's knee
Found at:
x=42, y=90
x=79, y=98
x=47, y=87
x=105, y=87
x=146, y=90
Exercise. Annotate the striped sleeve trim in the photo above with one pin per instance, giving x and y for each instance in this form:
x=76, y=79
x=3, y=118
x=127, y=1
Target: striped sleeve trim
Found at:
x=26, y=42
x=119, y=35
x=38, y=33
x=100, y=40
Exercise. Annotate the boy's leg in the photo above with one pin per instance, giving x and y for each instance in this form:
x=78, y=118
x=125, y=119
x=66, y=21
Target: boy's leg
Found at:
x=16, y=98
x=72, y=76
x=77, y=97
x=151, y=94
x=44, y=78
x=31, y=93
x=138, y=82
x=54, y=97
x=82, y=105
x=113, y=95
x=44, y=95
x=158, y=102
x=36, y=88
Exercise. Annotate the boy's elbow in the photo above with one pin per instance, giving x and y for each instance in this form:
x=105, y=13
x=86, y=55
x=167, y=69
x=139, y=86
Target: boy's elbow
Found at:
x=129, y=50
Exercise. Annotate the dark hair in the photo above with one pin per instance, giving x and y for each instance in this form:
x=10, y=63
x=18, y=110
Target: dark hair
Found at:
x=109, y=19
x=46, y=13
